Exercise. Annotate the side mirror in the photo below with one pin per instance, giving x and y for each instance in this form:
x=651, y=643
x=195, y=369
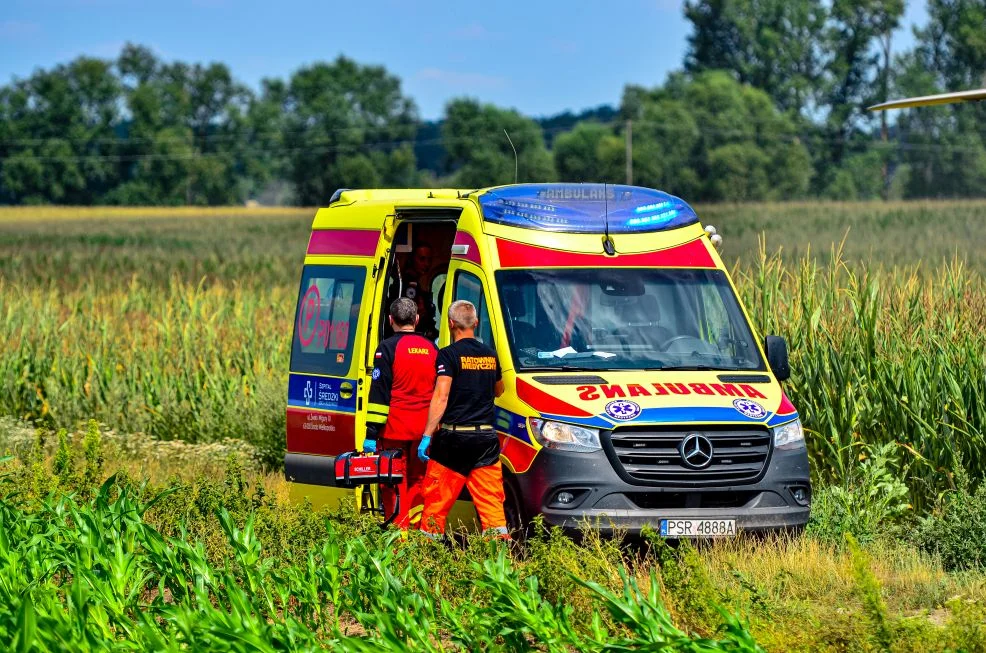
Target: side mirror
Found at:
x=776, y=348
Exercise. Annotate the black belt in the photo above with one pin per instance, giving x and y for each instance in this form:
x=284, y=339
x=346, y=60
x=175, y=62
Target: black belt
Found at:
x=468, y=427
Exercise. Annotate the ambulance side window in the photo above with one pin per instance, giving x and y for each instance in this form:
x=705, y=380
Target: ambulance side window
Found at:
x=470, y=288
x=326, y=319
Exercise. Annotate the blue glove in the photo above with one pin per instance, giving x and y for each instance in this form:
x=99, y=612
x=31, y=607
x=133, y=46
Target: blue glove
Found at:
x=423, y=448
x=370, y=446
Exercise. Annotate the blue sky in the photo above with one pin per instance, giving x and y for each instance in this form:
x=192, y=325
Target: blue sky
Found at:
x=538, y=56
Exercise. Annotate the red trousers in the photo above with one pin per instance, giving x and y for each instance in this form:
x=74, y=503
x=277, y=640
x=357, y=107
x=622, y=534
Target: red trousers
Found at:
x=442, y=487
x=412, y=499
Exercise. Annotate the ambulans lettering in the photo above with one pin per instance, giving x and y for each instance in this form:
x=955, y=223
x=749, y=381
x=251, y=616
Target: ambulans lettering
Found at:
x=678, y=388
x=614, y=391
x=727, y=389
x=587, y=392
x=477, y=363
x=752, y=392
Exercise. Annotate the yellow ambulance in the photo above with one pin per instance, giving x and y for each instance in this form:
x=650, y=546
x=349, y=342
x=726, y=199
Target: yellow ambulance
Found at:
x=638, y=393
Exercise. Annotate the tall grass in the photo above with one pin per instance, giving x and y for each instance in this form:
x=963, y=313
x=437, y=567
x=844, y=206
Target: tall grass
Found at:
x=881, y=355
x=179, y=327
x=95, y=574
x=218, y=559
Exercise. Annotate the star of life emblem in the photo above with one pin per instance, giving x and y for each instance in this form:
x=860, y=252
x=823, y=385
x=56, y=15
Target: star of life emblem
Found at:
x=750, y=408
x=622, y=409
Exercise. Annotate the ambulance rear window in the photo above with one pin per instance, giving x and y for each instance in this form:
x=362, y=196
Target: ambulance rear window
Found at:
x=585, y=208
x=326, y=318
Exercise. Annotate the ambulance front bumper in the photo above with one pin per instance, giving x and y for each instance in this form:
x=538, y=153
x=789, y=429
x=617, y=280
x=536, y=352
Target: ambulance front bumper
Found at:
x=577, y=491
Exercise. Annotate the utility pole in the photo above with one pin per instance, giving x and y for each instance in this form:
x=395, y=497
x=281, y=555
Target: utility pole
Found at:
x=883, y=116
x=629, y=152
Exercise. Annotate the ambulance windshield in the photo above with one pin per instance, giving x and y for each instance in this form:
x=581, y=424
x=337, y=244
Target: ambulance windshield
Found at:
x=625, y=319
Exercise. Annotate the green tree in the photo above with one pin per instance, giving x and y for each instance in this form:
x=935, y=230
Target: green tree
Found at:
x=345, y=126
x=770, y=44
x=479, y=151
x=708, y=136
x=944, y=148
x=590, y=152
x=192, y=120
x=57, y=138
x=857, y=75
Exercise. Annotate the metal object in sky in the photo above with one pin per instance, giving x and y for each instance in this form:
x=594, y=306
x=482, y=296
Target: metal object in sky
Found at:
x=932, y=100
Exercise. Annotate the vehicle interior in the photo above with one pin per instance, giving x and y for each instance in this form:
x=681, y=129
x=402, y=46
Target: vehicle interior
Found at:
x=417, y=269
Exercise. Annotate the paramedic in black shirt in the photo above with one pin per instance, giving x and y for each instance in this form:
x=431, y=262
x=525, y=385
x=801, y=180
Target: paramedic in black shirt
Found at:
x=465, y=450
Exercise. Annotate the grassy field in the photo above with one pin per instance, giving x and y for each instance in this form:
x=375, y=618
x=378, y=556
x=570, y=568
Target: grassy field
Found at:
x=174, y=325
x=178, y=325
x=194, y=547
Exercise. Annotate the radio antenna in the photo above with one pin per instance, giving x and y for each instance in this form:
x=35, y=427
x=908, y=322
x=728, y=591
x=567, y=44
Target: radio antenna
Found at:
x=607, y=241
x=515, y=153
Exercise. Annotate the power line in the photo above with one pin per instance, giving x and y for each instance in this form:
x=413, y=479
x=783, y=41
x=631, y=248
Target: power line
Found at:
x=324, y=147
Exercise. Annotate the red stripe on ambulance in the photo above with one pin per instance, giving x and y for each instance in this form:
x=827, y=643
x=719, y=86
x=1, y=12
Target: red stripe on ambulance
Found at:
x=692, y=254
x=613, y=391
x=343, y=242
x=320, y=432
x=542, y=402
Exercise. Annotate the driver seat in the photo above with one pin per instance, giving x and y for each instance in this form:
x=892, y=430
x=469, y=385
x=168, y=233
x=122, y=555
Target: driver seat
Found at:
x=644, y=314
x=523, y=333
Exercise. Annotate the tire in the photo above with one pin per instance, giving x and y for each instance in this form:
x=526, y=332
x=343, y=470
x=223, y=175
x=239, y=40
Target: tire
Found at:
x=513, y=509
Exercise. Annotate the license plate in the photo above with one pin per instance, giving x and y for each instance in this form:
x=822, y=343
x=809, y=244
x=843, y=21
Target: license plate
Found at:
x=698, y=527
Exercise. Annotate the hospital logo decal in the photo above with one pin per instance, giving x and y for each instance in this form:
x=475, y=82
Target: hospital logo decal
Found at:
x=750, y=408
x=308, y=393
x=622, y=409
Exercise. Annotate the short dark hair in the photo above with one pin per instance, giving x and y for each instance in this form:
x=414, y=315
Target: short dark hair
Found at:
x=403, y=311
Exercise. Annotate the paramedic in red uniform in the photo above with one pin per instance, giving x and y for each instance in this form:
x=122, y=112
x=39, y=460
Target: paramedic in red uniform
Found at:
x=402, y=383
x=465, y=450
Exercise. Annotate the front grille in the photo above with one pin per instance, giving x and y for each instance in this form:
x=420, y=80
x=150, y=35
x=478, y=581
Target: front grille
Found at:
x=673, y=500
x=651, y=454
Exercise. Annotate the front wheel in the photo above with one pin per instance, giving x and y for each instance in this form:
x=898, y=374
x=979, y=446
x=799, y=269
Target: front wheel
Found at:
x=513, y=510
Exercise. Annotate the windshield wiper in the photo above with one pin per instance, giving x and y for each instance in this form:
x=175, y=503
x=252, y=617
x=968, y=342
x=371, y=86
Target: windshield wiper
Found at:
x=554, y=368
x=697, y=368
x=573, y=368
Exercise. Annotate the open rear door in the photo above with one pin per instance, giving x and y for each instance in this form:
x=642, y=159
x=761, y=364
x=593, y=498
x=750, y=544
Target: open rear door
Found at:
x=327, y=354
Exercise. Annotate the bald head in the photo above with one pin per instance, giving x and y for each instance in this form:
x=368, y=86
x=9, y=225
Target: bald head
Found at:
x=462, y=316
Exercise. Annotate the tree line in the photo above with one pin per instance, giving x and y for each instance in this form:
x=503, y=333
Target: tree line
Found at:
x=769, y=104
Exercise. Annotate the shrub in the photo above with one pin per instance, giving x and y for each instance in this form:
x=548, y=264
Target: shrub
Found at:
x=956, y=530
x=873, y=500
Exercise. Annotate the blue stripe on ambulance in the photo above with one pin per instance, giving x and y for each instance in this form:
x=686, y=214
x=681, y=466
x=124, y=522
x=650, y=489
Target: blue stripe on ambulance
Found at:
x=678, y=415
x=320, y=393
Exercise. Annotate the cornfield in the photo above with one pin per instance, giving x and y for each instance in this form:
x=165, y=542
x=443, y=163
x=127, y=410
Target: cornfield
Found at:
x=178, y=326
x=95, y=576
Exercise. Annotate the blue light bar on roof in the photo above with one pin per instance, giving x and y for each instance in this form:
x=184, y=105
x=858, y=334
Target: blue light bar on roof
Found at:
x=583, y=208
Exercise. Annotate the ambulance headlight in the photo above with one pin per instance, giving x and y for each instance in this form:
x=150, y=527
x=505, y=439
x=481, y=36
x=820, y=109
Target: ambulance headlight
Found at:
x=567, y=437
x=789, y=436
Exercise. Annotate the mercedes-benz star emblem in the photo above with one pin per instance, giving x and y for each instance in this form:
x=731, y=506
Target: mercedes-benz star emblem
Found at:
x=696, y=451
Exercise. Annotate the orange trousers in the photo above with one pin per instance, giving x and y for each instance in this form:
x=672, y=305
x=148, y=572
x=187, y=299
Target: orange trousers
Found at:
x=412, y=499
x=442, y=487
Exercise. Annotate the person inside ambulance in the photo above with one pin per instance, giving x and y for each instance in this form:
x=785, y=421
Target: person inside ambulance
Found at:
x=397, y=411
x=459, y=442
x=417, y=278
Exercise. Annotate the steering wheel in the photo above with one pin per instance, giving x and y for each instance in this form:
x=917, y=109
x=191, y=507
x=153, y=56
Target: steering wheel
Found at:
x=667, y=345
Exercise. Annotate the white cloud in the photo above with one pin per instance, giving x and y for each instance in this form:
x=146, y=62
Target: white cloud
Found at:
x=471, y=32
x=461, y=80
x=672, y=6
x=18, y=29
